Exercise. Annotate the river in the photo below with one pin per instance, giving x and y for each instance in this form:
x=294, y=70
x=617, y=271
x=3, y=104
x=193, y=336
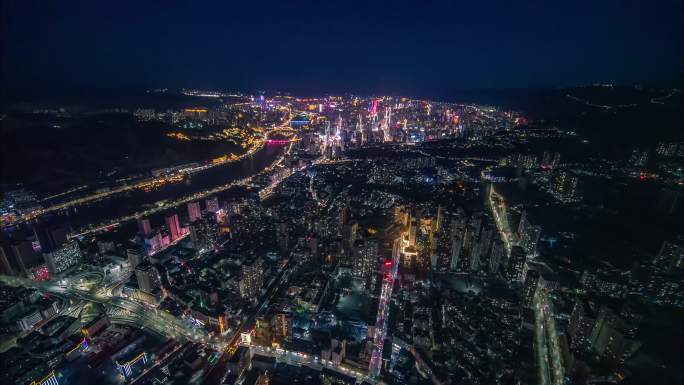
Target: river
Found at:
x=128, y=203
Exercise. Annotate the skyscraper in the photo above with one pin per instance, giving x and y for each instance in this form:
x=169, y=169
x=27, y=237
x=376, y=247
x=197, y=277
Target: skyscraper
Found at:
x=63, y=258
x=456, y=248
x=194, y=211
x=528, y=235
x=349, y=232
x=530, y=287
x=496, y=256
x=144, y=227
x=147, y=277
x=5, y=266
x=252, y=279
x=204, y=232
x=25, y=257
x=481, y=251
x=672, y=253
x=283, y=237
x=517, y=265
x=136, y=256
x=565, y=187
x=173, y=225
x=212, y=205
x=50, y=238
x=365, y=261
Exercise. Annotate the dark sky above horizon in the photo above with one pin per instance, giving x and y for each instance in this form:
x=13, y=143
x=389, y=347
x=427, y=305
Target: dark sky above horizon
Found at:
x=330, y=46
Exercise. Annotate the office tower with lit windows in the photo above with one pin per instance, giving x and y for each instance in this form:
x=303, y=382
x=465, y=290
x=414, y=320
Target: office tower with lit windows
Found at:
x=349, y=233
x=282, y=326
x=213, y=205
x=147, y=277
x=528, y=235
x=154, y=243
x=607, y=339
x=412, y=230
x=204, y=232
x=496, y=256
x=455, y=253
x=481, y=250
x=580, y=325
x=639, y=158
x=365, y=261
x=252, y=278
x=50, y=379
x=530, y=287
x=63, y=258
x=517, y=264
x=565, y=187
x=194, y=212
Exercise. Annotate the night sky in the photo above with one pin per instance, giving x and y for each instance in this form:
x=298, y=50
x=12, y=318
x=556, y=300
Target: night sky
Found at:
x=345, y=46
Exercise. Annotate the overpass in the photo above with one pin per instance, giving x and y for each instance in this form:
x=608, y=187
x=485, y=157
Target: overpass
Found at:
x=160, y=322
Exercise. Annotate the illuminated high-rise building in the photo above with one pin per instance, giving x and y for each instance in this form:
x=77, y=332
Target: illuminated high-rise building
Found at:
x=412, y=230
x=481, y=248
x=136, y=256
x=252, y=279
x=282, y=326
x=580, y=325
x=387, y=124
x=671, y=254
x=213, y=205
x=528, y=235
x=349, y=233
x=639, y=158
x=5, y=265
x=455, y=252
x=129, y=368
x=204, y=232
x=23, y=257
x=147, y=277
x=50, y=379
x=144, y=227
x=154, y=243
x=63, y=258
x=365, y=261
x=50, y=238
x=606, y=338
x=173, y=225
x=496, y=256
x=194, y=211
x=565, y=187
x=283, y=238
x=530, y=287
x=517, y=264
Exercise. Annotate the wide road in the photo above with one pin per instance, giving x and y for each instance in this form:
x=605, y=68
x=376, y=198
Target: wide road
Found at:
x=159, y=321
x=389, y=276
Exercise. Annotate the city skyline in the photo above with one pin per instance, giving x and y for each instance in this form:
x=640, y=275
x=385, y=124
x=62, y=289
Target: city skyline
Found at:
x=328, y=193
